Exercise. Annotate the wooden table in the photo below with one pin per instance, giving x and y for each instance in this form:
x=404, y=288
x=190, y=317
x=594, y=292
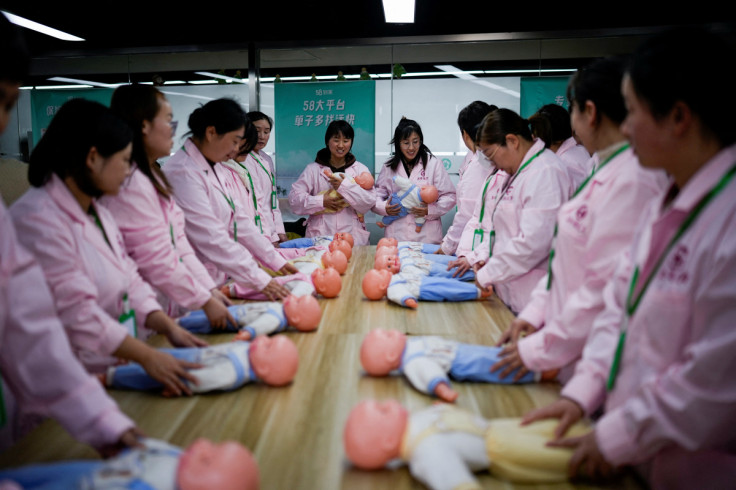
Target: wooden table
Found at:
x=295, y=432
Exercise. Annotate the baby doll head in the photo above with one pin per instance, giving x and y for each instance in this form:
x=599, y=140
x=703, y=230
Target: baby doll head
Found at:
x=373, y=433
x=375, y=283
x=327, y=282
x=387, y=250
x=365, y=180
x=302, y=312
x=337, y=260
x=389, y=262
x=341, y=245
x=345, y=235
x=274, y=359
x=429, y=194
x=228, y=465
x=387, y=242
x=380, y=352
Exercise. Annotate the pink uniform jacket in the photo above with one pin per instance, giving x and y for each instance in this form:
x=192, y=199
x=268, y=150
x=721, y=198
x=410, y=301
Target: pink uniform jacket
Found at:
x=473, y=174
x=36, y=362
x=593, y=229
x=305, y=199
x=263, y=172
x=210, y=197
x=576, y=160
x=153, y=231
x=403, y=229
x=524, y=224
x=88, y=277
x=675, y=395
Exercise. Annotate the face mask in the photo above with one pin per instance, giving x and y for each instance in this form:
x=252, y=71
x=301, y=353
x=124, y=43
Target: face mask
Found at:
x=484, y=162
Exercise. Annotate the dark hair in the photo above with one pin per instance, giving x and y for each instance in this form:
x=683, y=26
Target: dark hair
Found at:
x=472, y=115
x=339, y=126
x=78, y=126
x=259, y=116
x=250, y=139
x=404, y=130
x=600, y=83
x=224, y=114
x=14, y=54
x=551, y=124
x=135, y=104
x=497, y=124
x=692, y=66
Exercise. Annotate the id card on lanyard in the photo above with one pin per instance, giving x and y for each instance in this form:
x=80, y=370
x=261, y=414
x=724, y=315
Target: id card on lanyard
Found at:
x=272, y=177
x=127, y=318
x=633, y=299
x=253, y=194
x=478, y=232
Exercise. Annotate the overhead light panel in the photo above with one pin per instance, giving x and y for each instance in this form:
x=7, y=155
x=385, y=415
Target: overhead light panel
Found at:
x=35, y=26
x=399, y=11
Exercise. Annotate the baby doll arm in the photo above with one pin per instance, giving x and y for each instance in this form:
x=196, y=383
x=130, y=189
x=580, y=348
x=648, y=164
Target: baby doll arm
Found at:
x=426, y=375
x=440, y=467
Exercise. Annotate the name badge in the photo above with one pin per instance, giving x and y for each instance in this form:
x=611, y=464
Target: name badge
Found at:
x=258, y=222
x=127, y=319
x=477, y=237
x=492, y=240
x=274, y=200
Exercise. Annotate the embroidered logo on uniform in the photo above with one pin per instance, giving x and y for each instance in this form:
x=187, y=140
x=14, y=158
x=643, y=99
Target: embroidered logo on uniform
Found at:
x=675, y=265
x=508, y=195
x=582, y=212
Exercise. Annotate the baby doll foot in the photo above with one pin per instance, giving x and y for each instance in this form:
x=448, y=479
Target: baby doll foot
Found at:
x=418, y=229
x=226, y=290
x=380, y=225
x=487, y=293
x=411, y=303
x=243, y=335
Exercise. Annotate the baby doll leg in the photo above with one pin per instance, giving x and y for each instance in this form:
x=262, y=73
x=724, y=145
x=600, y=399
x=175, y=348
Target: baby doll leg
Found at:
x=298, y=243
x=445, y=289
x=50, y=475
x=474, y=363
x=132, y=376
x=197, y=322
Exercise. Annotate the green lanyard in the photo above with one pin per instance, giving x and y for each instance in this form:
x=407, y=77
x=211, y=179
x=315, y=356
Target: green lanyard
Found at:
x=253, y=195
x=94, y=214
x=478, y=233
x=492, y=233
x=632, y=300
x=274, y=199
x=231, y=203
x=579, y=189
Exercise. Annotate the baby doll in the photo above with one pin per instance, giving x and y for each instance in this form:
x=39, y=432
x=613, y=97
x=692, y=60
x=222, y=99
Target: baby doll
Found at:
x=315, y=241
x=225, y=367
x=414, y=262
x=444, y=445
x=298, y=284
x=425, y=248
x=429, y=362
x=387, y=242
x=391, y=263
x=327, y=282
x=204, y=465
x=364, y=180
x=410, y=196
x=341, y=245
x=262, y=318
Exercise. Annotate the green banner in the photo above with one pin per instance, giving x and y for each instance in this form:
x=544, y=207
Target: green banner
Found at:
x=45, y=103
x=536, y=92
x=302, y=113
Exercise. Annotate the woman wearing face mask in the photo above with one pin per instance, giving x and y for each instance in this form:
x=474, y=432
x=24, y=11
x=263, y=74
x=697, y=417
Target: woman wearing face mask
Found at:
x=103, y=303
x=593, y=228
x=263, y=172
x=151, y=222
x=508, y=238
x=412, y=159
x=473, y=173
x=310, y=194
x=220, y=232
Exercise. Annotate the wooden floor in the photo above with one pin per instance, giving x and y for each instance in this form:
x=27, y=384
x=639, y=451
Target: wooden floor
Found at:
x=295, y=432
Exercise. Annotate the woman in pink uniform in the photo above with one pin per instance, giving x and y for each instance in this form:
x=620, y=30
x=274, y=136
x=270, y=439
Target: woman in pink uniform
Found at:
x=551, y=123
x=310, y=194
x=660, y=358
x=473, y=173
x=508, y=238
x=151, y=222
x=39, y=373
x=264, y=178
x=412, y=159
x=105, y=306
x=222, y=234
x=593, y=228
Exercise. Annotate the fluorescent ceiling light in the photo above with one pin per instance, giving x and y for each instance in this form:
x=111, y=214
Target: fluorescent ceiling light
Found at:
x=85, y=82
x=467, y=76
x=399, y=11
x=35, y=26
x=222, y=77
x=52, y=87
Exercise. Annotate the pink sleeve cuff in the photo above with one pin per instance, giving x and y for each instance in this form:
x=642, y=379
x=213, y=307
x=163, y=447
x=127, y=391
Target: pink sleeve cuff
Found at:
x=532, y=314
x=380, y=208
x=586, y=390
x=614, y=440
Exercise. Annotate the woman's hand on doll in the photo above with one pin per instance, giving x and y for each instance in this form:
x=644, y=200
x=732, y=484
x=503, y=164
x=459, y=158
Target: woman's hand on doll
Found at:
x=218, y=314
x=440, y=251
x=220, y=296
x=392, y=209
x=335, y=203
x=510, y=360
x=461, y=264
x=478, y=266
x=587, y=460
x=275, y=291
x=179, y=337
x=564, y=409
x=335, y=181
x=128, y=439
x=420, y=211
x=169, y=371
x=288, y=269
x=516, y=330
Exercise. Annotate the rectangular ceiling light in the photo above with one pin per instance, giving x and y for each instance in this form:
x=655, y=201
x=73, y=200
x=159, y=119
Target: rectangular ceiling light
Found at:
x=35, y=26
x=399, y=11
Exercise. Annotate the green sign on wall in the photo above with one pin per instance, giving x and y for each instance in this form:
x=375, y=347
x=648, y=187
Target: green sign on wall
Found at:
x=302, y=113
x=536, y=92
x=45, y=103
